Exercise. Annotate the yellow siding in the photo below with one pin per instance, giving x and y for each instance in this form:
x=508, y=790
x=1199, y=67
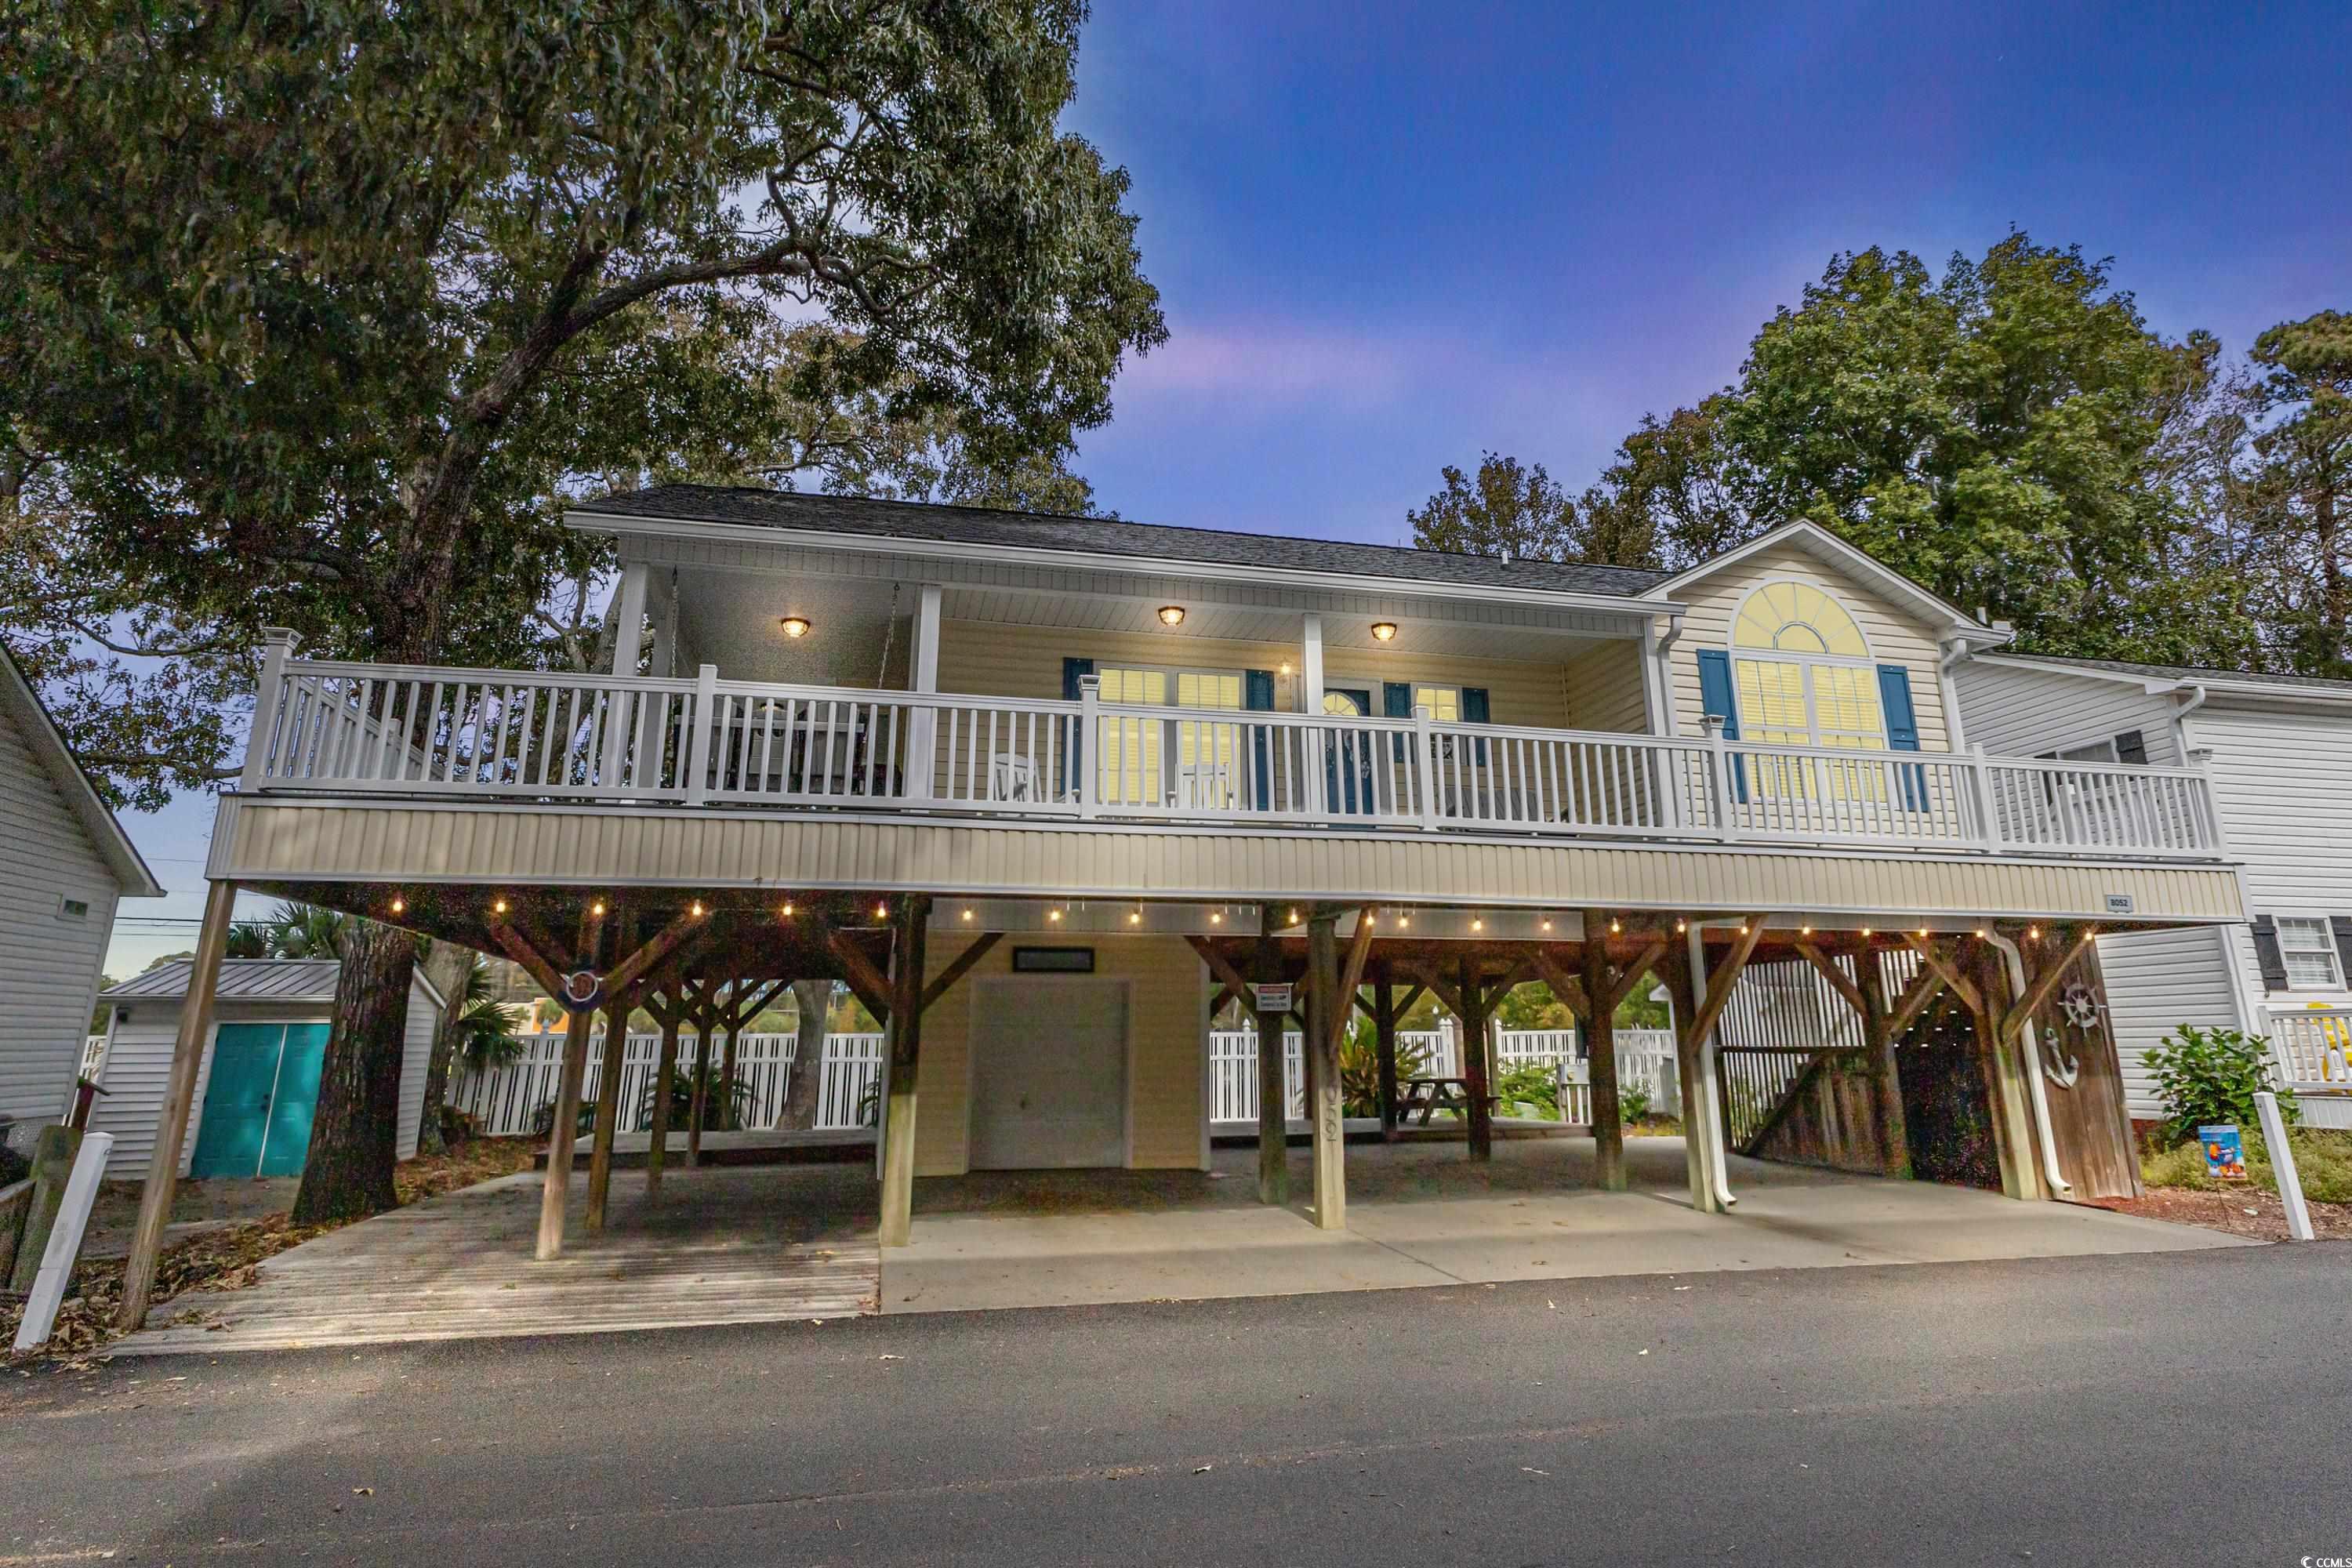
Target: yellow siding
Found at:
x=280, y=845
x=983, y=658
x=1167, y=1021
x=1604, y=689
x=1896, y=637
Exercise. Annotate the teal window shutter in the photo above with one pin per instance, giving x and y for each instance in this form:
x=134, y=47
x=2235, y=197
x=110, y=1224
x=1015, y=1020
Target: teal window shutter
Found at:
x=1474, y=710
x=1716, y=699
x=1257, y=697
x=1396, y=702
x=1073, y=755
x=1902, y=731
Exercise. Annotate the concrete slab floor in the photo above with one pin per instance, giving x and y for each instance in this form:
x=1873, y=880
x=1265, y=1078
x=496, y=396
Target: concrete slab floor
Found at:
x=1422, y=1215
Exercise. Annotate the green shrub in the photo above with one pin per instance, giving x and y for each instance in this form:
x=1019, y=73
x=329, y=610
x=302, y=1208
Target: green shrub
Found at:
x=1532, y=1084
x=2322, y=1159
x=2208, y=1077
x=1633, y=1104
x=1359, y=1068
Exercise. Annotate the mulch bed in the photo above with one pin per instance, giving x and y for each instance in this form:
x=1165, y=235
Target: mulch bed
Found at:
x=2249, y=1213
x=226, y=1258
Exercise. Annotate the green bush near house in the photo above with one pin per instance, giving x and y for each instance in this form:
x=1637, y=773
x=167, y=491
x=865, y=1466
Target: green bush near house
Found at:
x=2322, y=1159
x=2208, y=1076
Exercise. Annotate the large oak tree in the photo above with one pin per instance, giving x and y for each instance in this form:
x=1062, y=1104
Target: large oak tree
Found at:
x=318, y=306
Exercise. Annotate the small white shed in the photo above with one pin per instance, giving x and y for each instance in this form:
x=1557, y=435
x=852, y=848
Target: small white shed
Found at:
x=64, y=861
x=258, y=1078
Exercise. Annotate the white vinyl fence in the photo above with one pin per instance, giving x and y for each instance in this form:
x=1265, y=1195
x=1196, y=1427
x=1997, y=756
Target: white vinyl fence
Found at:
x=1643, y=1058
x=507, y=1101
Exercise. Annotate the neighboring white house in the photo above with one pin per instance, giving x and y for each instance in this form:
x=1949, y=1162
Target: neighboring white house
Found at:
x=258, y=1078
x=2279, y=748
x=64, y=861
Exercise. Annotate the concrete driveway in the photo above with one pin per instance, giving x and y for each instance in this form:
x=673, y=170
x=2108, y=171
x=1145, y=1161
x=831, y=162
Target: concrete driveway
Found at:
x=1422, y=1215
x=780, y=1244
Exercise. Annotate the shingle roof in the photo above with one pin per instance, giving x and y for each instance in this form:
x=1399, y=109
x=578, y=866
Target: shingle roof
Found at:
x=1144, y=540
x=2314, y=683
x=241, y=980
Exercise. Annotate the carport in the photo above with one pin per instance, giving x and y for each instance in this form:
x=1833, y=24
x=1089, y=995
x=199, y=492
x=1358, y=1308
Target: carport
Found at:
x=790, y=1245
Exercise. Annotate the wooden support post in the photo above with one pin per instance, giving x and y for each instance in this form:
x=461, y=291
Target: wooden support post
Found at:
x=560, y=1133
x=905, y=1032
x=608, y=1111
x=1273, y=1086
x=1601, y=1053
x=1324, y=1103
x=1886, y=1081
x=665, y=1083
x=698, y=1109
x=179, y=1101
x=2001, y=1063
x=1384, y=1034
x=1675, y=967
x=1478, y=1084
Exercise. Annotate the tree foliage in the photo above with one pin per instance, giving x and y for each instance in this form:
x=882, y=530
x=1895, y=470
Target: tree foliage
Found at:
x=314, y=314
x=1508, y=509
x=2012, y=433
x=2297, y=498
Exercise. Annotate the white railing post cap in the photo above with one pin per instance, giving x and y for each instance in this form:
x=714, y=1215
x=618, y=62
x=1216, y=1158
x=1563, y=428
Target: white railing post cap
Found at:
x=1713, y=723
x=285, y=638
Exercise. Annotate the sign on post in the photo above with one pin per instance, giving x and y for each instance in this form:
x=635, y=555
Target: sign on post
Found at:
x=2225, y=1153
x=1271, y=998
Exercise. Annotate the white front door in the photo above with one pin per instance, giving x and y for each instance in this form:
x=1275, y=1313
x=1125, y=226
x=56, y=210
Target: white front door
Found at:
x=1049, y=1072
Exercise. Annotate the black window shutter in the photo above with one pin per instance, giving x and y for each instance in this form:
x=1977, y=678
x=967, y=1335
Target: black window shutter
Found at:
x=2341, y=926
x=1396, y=702
x=2267, y=956
x=1477, y=709
x=2131, y=748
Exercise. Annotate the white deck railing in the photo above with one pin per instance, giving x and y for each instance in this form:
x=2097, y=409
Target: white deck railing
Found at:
x=510, y=735
x=2313, y=1047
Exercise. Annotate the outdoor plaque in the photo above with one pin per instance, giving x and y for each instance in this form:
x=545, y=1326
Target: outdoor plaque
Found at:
x=1272, y=998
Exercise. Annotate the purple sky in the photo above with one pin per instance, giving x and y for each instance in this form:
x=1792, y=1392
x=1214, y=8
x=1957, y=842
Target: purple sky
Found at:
x=1389, y=235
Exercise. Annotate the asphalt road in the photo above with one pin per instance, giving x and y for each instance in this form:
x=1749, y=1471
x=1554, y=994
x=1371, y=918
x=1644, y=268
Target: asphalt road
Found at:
x=2169, y=1408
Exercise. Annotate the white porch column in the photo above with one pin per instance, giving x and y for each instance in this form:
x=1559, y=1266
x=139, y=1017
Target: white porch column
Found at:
x=923, y=675
x=621, y=714
x=629, y=616
x=1310, y=665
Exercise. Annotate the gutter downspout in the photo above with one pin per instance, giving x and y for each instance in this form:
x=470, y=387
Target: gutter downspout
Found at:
x=2037, y=1092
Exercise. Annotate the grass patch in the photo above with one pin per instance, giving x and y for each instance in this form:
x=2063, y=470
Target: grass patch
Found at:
x=2323, y=1158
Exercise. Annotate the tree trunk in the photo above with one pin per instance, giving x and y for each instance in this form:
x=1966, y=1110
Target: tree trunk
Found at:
x=354, y=1130
x=815, y=1000
x=446, y=968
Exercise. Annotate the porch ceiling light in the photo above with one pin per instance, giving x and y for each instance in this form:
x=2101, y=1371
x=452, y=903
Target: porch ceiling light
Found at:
x=1384, y=631
x=1172, y=615
x=795, y=627
x=398, y=905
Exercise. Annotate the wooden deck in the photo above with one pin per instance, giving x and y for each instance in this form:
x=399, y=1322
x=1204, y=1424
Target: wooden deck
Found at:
x=723, y=1246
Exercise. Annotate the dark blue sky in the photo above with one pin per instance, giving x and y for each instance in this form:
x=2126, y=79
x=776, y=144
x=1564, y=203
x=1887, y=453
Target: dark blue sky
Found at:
x=1388, y=235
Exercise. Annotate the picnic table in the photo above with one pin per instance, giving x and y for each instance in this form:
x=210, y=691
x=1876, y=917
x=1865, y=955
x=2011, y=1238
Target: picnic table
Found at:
x=1429, y=1095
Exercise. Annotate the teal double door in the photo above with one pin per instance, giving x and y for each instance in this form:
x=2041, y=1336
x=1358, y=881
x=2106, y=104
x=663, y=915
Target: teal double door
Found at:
x=258, y=1100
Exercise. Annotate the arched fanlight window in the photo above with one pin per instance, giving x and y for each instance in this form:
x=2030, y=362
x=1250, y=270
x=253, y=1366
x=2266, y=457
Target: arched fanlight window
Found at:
x=1797, y=617
x=1802, y=670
